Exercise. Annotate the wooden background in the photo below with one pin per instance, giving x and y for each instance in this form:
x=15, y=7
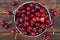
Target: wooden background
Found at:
x=5, y=34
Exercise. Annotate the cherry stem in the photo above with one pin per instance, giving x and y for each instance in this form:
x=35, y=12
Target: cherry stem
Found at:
x=15, y=36
x=9, y=22
x=53, y=31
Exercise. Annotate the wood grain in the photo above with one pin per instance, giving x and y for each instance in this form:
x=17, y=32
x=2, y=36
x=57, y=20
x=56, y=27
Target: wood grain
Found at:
x=5, y=34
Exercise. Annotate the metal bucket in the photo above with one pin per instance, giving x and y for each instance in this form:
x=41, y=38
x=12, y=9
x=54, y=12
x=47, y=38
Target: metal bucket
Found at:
x=14, y=12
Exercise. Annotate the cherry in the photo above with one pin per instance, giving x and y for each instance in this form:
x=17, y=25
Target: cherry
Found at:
x=8, y=12
x=33, y=34
x=43, y=15
x=13, y=3
x=12, y=31
x=25, y=32
x=16, y=31
x=18, y=12
x=48, y=37
x=47, y=21
x=52, y=26
x=23, y=15
x=3, y=23
x=34, y=19
x=42, y=10
x=5, y=26
x=40, y=29
x=29, y=28
x=55, y=13
x=31, y=5
x=26, y=23
x=37, y=13
x=44, y=35
x=37, y=18
x=17, y=19
x=43, y=26
x=42, y=19
x=26, y=18
x=28, y=8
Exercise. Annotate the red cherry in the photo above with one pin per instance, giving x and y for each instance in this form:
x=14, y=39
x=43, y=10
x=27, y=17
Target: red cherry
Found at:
x=25, y=32
x=34, y=19
x=3, y=23
x=43, y=26
x=8, y=12
x=16, y=31
x=52, y=26
x=42, y=10
x=29, y=28
x=12, y=31
x=17, y=19
x=31, y=5
x=47, y=21
x=23, y=15
x=28, y=8
x=43, y=15
x=33, y=34
x=26, y=23
x=40, y=29
x=26, y=18
x=37, y=18
x=28, y=13
x=48, y=37
x=5, y=26
x=22, y=7
x=44, y=35
x=13, y=3
x=18, y=12
x=37, y=13
x=55, y=13
x=42, y=19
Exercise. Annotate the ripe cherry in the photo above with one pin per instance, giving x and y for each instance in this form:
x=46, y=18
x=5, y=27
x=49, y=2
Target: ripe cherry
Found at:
x=33, y=34
x=42, y=10
x=29, y=28
x=6, y=26
x=42, y=19
x=31, y=5
x=52, y=26
x=16, y=31
x=8, y=12
x=25, y=32
x=43, y=26
x=28, y=8
x=34, y=19
x=47, y=21
x=12, y=31
x=18, y=12
x=13, y=3
x=3, y=23
x=37, y=13
x=48, y=37
x=40, y=29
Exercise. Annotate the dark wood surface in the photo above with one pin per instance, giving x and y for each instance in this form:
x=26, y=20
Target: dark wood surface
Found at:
x=5, y=34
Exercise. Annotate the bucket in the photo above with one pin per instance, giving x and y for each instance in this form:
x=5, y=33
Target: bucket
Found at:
x=49, y=15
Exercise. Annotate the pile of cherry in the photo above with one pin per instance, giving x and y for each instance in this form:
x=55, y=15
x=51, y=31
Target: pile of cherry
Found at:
x=32, y=19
